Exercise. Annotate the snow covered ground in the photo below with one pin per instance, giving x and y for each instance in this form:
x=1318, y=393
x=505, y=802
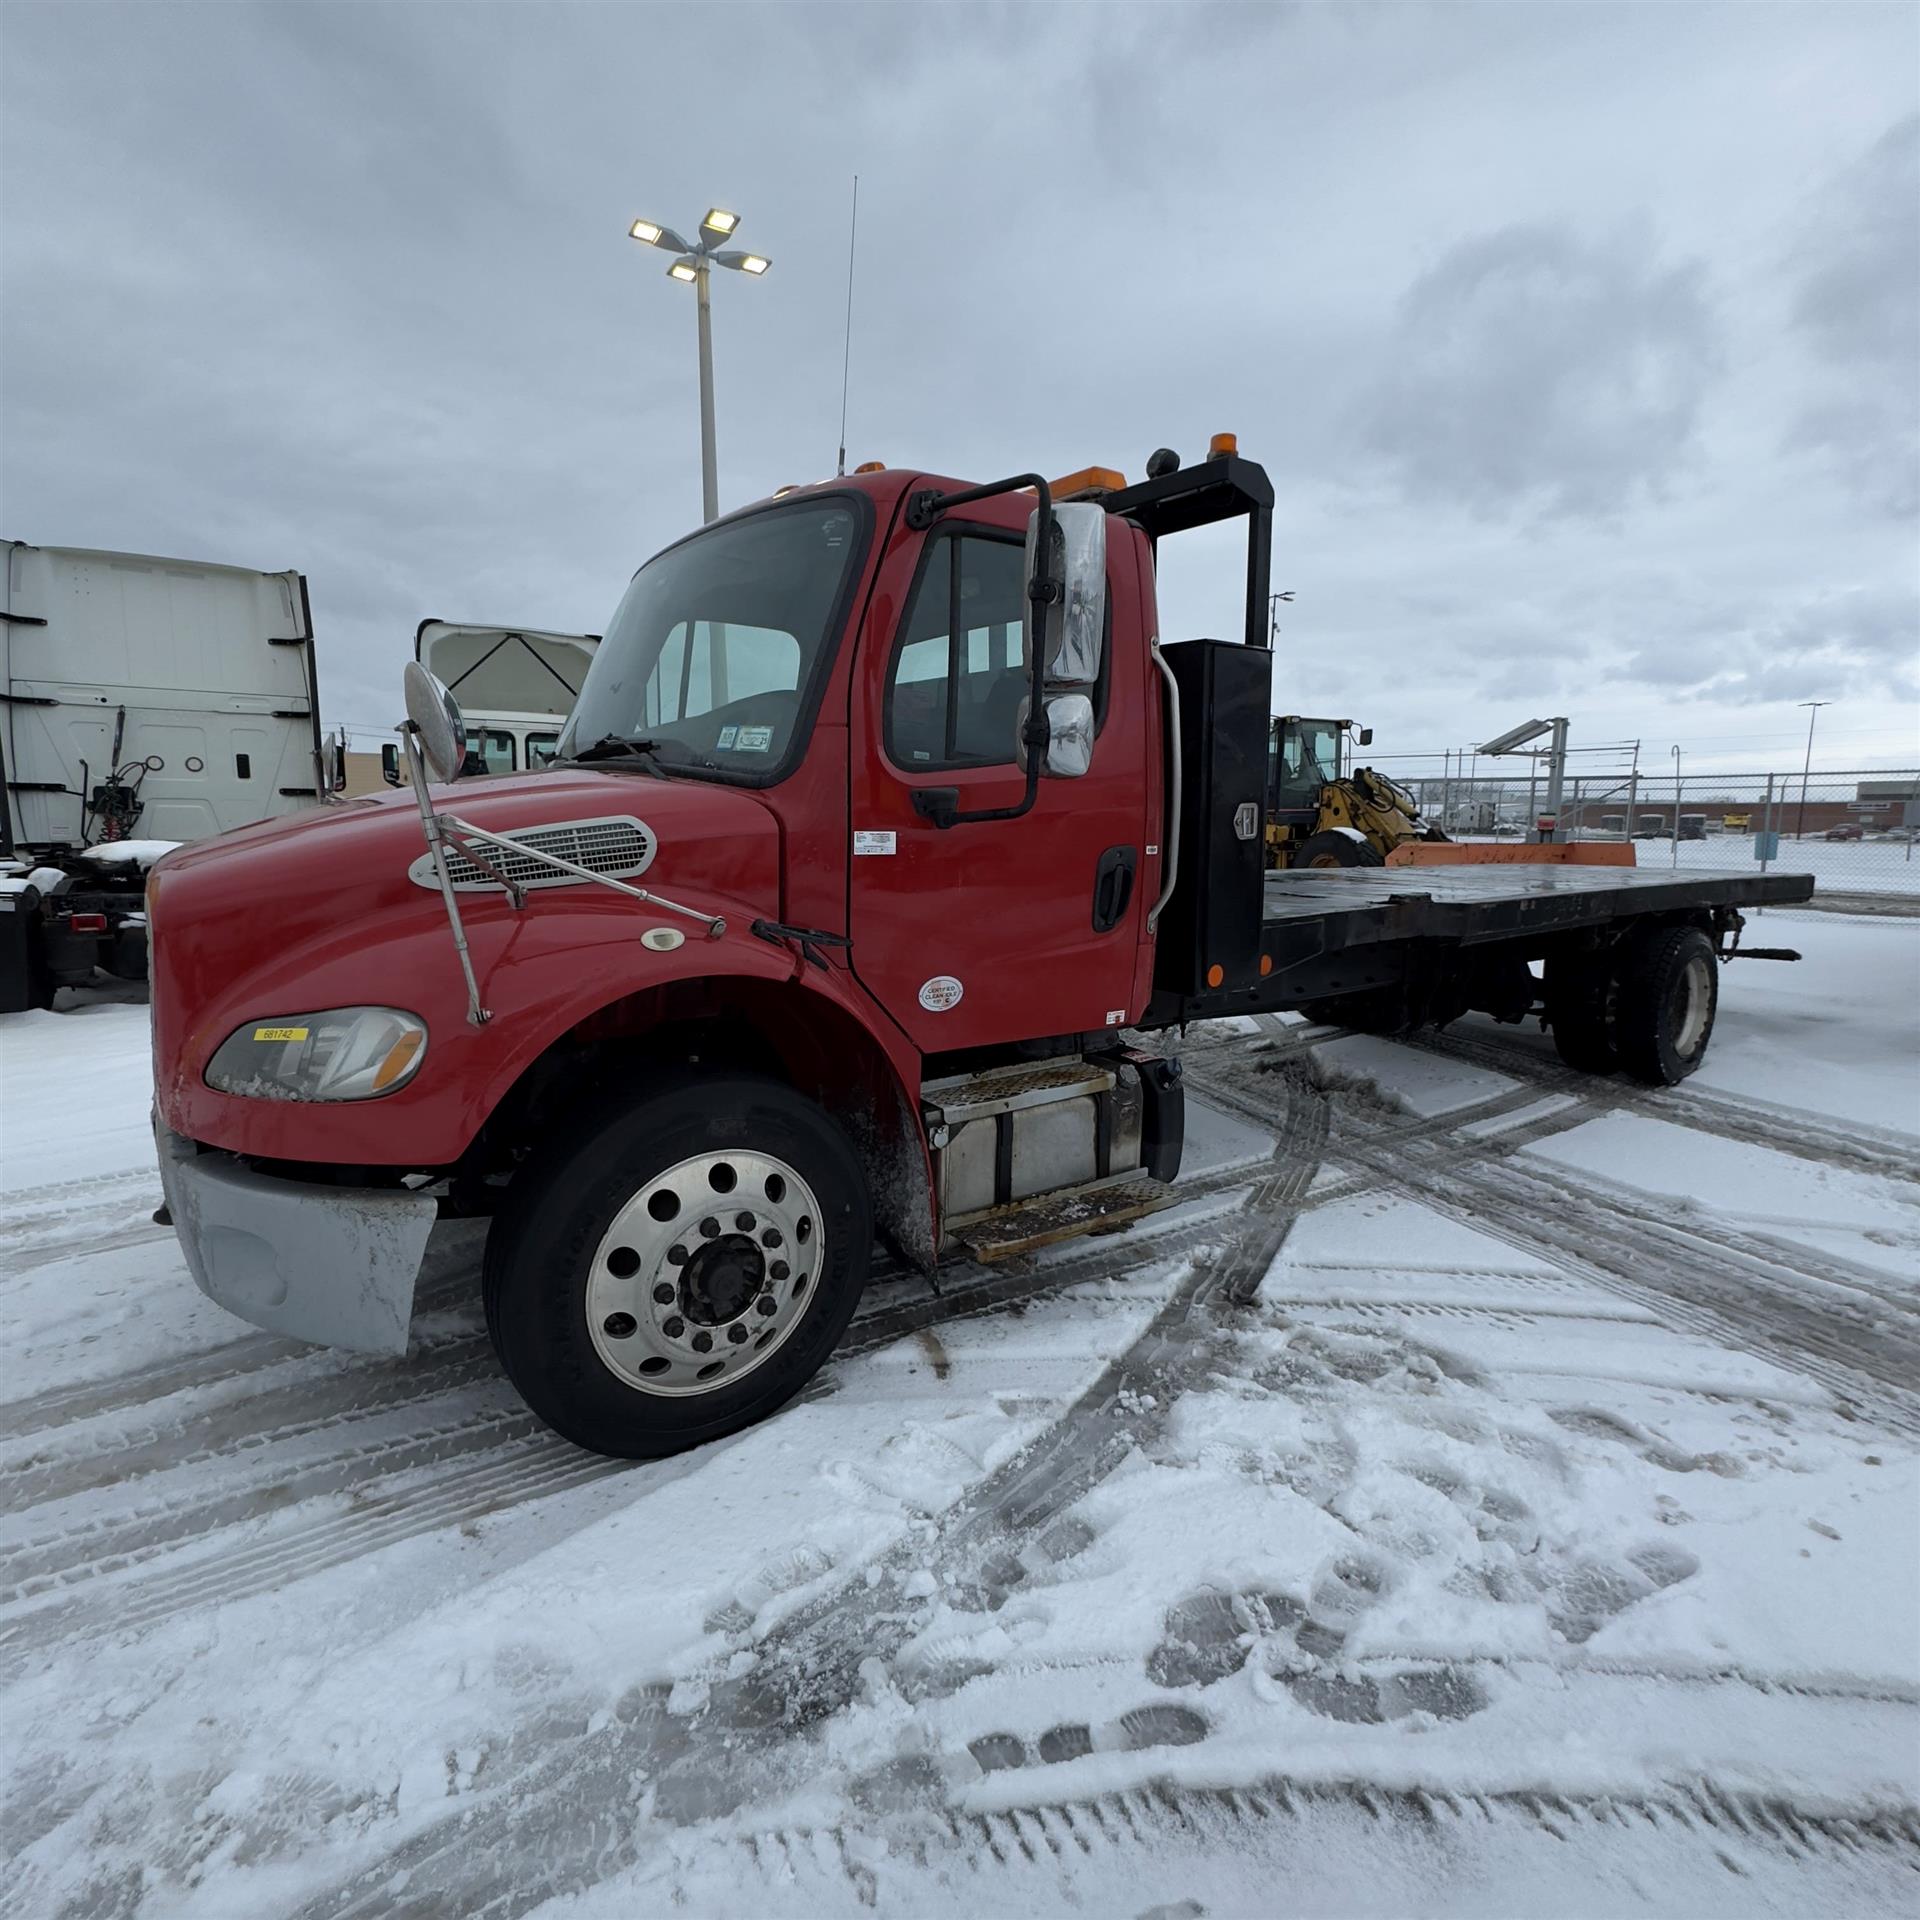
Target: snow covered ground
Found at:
x=1490, y=1491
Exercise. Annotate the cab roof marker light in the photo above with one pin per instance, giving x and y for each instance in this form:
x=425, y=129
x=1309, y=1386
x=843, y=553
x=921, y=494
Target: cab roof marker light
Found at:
x=1089, y=480
x=1222, y=443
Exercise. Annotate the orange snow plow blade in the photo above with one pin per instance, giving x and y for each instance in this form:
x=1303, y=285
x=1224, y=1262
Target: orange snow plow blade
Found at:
x=1457, y=853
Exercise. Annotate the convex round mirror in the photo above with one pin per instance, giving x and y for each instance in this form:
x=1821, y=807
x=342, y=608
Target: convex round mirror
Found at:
x=435, y=715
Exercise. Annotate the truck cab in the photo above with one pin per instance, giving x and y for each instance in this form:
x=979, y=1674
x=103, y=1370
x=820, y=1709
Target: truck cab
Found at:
x=515, y=687
x=882, y=829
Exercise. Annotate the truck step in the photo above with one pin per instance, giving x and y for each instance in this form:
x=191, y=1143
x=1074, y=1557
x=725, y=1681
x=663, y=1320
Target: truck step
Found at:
x=979, y=1096
x=1099, y=1206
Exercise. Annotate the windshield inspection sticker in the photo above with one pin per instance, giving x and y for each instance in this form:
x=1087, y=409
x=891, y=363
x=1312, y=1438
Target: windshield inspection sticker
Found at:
x=941, y=994
x=754, y=740
x=870, y=840
x=728, y=735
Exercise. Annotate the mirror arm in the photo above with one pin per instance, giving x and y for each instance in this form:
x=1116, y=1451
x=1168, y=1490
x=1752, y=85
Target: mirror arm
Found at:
x=477, y=1014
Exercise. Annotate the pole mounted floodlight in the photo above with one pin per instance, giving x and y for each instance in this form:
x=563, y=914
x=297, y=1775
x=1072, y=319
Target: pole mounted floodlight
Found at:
x=1515, y=737
x=692, y=266
x=1515, y=740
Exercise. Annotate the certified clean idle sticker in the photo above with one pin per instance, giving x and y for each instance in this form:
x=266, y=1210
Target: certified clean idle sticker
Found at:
x=941, y=994
x=872, y=840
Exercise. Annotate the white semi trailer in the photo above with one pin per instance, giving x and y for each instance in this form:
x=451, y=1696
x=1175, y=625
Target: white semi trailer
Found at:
x=143, y=702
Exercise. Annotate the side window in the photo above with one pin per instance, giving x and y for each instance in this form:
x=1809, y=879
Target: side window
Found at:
x=541, y=748
x=492, y=747
x=959, y=665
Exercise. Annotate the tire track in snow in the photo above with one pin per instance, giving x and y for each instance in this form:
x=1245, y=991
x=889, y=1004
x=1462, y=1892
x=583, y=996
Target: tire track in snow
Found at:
x=125, y=1540
x=1862, y=1149
x=1026, y=1857
x=809, y=1667
x=1787, y=1306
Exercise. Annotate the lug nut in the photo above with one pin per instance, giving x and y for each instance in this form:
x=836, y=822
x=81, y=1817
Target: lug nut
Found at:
x=744, y=1222
x=779, y=1270
x=764, y=1304
x=674, y=1328
x=663, y=1294
x=620, y=1326
x=676, y=1256
x=703, y=1341
x=737, y=1334
x=771, y=1238
x=709, y=1228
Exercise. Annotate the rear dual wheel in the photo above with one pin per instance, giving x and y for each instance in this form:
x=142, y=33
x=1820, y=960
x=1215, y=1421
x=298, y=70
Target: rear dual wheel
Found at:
x=1646, y=1008
x=678, y=1266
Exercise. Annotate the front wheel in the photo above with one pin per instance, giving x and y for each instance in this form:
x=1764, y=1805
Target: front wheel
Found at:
x=679, y=1266
x=1334, y=848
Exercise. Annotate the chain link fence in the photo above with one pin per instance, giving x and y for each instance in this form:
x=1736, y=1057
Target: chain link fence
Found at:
x=1855, y=832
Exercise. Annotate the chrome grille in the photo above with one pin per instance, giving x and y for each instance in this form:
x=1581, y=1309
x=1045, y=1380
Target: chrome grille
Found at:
x=619, y=848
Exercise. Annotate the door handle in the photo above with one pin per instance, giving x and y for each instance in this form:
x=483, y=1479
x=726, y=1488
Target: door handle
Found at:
x=1113, y=887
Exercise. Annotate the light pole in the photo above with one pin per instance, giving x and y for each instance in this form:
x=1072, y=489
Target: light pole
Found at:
x=1800, y=831
x=692, y=267
x=1676, y=806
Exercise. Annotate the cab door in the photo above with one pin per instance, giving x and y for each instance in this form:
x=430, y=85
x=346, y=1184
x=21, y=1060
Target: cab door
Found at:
x=983, y=933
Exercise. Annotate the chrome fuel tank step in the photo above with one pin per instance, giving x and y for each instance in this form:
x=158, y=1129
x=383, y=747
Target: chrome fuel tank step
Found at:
x=1013, y=1133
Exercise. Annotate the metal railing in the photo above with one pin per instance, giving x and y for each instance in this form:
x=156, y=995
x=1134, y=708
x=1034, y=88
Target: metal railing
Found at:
x=1853, y=830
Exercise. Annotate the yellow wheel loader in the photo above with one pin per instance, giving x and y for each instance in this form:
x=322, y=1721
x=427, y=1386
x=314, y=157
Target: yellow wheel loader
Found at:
x=1323, y=813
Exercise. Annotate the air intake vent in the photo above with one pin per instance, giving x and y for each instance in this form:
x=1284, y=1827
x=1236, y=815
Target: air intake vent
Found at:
x=619, y=848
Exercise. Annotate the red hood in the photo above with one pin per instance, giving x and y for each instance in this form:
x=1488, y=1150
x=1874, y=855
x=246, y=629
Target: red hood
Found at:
x=318, y=910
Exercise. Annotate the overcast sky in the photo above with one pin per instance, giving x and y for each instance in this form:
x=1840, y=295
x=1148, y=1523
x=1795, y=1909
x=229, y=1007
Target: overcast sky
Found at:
x=1582, y=341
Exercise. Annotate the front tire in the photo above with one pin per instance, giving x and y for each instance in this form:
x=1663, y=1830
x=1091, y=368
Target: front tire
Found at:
x=1331, y=849
x=677, y=1267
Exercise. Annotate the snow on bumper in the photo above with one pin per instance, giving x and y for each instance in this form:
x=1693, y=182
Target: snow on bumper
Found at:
x=334, y=1265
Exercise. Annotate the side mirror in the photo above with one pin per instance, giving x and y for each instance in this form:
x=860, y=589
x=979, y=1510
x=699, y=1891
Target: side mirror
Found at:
x=1366, y=736
x=1076, y=622
x=390, y=764
x=434, y=715
x=1070, y=735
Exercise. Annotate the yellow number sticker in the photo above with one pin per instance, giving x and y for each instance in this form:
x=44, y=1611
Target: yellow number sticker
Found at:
x=279, y=1033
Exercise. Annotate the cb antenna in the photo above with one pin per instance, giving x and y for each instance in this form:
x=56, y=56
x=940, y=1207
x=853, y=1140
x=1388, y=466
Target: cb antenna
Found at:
x=846, y=357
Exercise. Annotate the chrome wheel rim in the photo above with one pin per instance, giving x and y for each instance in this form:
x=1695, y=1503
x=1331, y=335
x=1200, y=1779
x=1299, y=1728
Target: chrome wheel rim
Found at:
x=704, y=1273
x=1693, y=995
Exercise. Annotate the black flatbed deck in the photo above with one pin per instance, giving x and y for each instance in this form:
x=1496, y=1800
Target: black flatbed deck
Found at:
x=1328, y=932
x=1499, y=901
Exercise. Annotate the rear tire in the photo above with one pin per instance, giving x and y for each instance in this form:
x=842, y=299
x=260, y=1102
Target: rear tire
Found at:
x=1666, y=993
x=1331, y=849
x=1579, y=993
x=618, y=1275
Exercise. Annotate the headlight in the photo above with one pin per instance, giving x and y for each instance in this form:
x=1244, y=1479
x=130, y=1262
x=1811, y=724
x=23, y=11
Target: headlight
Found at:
x=347, y=1053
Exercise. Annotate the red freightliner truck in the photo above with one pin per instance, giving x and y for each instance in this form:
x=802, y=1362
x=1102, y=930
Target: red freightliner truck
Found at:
x=840, y=912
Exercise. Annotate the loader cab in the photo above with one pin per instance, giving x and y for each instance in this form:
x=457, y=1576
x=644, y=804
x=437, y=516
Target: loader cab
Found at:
x=1303, y=756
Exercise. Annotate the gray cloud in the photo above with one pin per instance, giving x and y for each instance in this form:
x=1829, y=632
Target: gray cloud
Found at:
x=1530, y=370
x=1856, y=305
x=347, y=288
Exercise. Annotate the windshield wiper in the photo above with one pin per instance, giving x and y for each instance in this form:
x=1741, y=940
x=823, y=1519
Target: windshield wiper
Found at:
x=611, y=746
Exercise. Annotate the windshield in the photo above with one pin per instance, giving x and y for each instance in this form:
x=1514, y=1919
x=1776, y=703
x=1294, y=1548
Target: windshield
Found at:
x=1309, y=755
x=716, y=653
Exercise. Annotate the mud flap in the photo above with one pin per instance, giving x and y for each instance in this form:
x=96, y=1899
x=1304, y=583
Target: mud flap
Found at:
x=333, y=1265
